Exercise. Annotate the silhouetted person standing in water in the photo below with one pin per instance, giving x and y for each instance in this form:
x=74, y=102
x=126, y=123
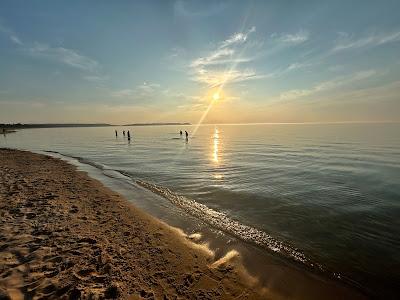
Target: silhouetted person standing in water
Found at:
x=129, y=136
x=180, y=132
x=116, y=133
x=187, y=135
x=123, y=133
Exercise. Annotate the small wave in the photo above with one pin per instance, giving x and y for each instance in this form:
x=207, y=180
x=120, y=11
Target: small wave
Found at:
x=93, y=164
x=81, y=160
x=223, y=222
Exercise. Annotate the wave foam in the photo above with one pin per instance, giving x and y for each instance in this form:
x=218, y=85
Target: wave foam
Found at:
x=223, y=222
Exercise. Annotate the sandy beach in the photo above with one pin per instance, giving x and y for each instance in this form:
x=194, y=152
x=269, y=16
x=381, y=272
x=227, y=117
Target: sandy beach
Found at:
x=64, y=236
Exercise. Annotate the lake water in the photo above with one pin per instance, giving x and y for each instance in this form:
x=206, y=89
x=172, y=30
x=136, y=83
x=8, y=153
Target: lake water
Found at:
x=322, y=195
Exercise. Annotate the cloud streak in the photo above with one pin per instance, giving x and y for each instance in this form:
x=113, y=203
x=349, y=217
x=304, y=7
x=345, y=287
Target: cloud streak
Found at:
x=68, y=57
x=144, y=90
x=216, y=57
x=220, y=66
x=347, y=42
x=224, y=64
x=11, y=35
x=237, y=38
x=63, y=55
x=327, y=85
x=217, y=78
x=297, y=38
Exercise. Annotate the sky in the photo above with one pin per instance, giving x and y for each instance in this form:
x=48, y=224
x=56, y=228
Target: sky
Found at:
x=199, y=61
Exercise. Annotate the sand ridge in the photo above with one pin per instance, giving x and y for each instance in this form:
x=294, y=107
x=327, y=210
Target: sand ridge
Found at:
x=64, y=235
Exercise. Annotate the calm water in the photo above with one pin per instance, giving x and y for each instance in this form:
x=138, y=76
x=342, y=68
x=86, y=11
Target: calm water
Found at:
x=329, y=192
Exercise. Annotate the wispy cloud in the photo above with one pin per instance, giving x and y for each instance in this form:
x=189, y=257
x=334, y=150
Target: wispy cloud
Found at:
x=216, y=78
x=225, y=52
x=11, y=35
x=224, y=64
x=123, y=93
x=237, y=38
x=69, y=57
x=295, y=66
x=290, y=68
x=347, y=41
x=218, y=56
x=15, y=39
x=385, y=92
x=66, y=56
x=292, y=38
x=141, y=91
x=220, y=66
x=147, y=88
x=327, y=85
x=176, y=52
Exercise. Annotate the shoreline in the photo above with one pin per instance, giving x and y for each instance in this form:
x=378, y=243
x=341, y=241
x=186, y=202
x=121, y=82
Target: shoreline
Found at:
x=66, y=235
x=177, y=266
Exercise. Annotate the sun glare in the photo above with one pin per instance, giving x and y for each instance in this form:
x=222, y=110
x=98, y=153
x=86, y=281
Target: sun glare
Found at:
x=216, y=96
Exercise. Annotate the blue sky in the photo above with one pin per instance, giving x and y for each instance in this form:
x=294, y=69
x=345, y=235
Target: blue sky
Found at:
x=157, y=61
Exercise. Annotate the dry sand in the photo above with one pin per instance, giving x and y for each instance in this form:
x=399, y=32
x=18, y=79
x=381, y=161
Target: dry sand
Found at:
x=64, y=235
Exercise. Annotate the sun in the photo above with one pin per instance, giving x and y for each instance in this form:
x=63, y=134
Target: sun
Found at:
x=216, y=96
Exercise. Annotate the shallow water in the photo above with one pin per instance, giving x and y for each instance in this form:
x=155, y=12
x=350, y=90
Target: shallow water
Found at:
x=330, y=193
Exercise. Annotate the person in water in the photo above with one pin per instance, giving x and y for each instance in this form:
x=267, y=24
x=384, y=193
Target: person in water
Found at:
x=129, y=136
x=180, y=132
x=123, y=132
x=116, y=133
x=187, y=135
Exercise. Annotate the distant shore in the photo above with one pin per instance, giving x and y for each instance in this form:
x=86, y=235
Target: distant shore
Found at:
x=72, y=125
x=65, y=235
x=156, y=124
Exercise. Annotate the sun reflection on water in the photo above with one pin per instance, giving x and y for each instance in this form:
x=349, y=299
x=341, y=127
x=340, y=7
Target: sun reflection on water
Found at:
x=218, y=176
x=216, y=145
x=216, y=154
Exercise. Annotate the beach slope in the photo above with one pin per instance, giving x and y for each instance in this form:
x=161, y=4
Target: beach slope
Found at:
x=64, y=235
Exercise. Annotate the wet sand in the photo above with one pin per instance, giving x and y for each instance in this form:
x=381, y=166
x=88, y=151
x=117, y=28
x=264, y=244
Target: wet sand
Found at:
x=63, y=235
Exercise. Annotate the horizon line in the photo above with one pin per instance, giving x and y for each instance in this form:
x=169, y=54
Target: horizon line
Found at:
x=191, y=124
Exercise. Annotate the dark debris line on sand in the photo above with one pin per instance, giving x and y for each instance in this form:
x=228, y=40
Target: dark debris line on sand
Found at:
x=65, y=236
